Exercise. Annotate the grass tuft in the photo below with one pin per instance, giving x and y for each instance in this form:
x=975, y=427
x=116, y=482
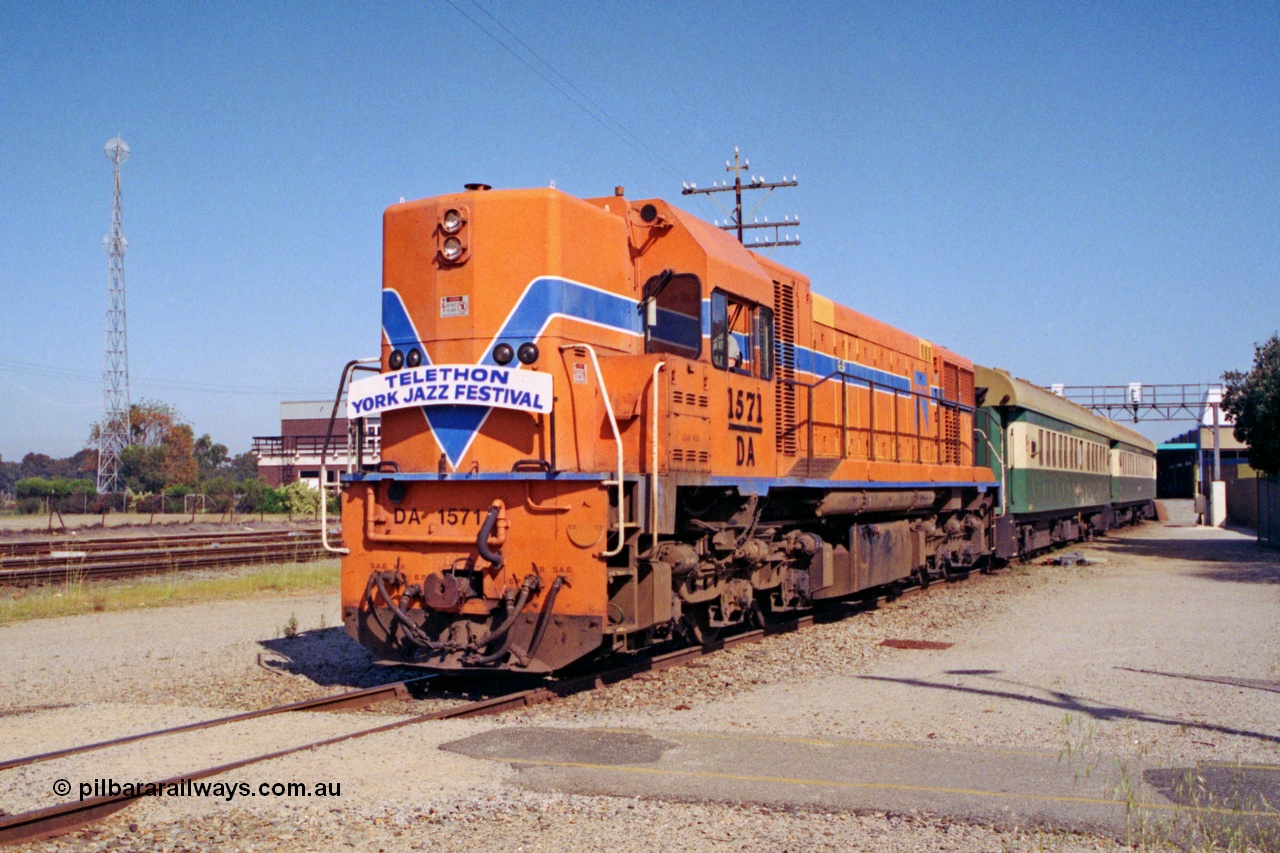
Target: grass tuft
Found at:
x=172, y=589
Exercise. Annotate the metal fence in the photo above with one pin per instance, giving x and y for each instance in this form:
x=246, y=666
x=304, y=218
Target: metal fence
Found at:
x=93, y=504
x=1269, y=512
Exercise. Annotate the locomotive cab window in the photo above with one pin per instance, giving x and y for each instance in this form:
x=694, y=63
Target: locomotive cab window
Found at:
x=672, y=308
x=741, y=336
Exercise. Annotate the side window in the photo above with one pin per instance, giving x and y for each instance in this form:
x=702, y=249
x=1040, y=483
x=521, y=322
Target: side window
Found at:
x=735, y=333
x=719, y=330
x=673, y=314
x=764, y=317
x=739, y=324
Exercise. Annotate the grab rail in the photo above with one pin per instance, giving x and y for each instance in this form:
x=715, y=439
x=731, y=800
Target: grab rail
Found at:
x=617, y=438
x=352, y=366
x=653, y=470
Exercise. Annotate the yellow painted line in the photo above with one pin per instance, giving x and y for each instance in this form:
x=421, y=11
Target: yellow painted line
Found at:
x=879, y=786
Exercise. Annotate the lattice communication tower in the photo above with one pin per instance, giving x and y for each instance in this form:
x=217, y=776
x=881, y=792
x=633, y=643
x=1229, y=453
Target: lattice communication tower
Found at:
x=113, y=433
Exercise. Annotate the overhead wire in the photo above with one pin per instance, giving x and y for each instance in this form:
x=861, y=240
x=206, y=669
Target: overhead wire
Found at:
x=636, y=140
x=600, y=115
x=552, y=83
x=28, y=368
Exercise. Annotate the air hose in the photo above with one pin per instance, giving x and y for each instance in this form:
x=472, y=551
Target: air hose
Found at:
x=527, y=589
x=482, y=539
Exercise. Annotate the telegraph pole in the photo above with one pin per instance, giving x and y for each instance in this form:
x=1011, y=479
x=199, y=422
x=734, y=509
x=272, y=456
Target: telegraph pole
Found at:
x=736, y=220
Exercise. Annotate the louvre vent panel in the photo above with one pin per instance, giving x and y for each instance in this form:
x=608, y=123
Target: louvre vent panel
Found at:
x=951, y=381
x=966, y=387
x=784, y=410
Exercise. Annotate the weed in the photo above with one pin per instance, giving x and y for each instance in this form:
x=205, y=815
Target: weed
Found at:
x=168, y=589
x=290, y=629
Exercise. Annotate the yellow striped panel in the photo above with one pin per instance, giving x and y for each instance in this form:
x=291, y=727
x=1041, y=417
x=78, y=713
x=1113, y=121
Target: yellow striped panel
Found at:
x=824, y=311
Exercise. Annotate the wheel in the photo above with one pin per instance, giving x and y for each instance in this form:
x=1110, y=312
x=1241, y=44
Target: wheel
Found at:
x=700, y=624
x=763, y=614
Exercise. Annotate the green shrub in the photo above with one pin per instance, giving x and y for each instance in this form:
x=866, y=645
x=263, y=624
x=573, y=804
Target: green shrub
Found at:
x=274, y=500
x=31, y=487
x=301, y=499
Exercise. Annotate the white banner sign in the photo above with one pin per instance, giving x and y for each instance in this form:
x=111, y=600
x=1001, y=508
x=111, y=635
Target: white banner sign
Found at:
x=450, y=385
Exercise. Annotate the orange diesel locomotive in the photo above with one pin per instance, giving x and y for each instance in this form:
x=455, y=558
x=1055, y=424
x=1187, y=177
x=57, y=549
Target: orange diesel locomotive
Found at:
x=606, y=424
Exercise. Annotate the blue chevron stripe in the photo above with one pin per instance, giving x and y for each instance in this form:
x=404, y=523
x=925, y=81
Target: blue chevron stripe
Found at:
x=455, y=427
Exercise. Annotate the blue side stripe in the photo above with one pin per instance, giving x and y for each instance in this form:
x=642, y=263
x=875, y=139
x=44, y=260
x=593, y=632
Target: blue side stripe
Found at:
x=545, y=296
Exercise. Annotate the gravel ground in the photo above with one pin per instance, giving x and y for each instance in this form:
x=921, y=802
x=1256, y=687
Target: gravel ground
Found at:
x=1033, y=645
x=1173, y=660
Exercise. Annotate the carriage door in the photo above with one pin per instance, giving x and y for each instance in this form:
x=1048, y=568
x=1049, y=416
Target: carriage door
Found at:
x=742, y=348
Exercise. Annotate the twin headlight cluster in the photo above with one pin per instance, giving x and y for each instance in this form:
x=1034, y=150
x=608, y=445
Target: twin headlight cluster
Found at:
x=399, y=358
x=526, y=353
x=452, y=247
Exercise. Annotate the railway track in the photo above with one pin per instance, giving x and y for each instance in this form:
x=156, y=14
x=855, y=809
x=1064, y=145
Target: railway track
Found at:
x=56, y=561
x=66, y=817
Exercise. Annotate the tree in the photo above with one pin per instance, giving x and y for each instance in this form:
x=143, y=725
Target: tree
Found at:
x=10, y=473
x=162, y=451
x=210, y=457
x=1252, y=400
x=243, y=466
x=152, y=423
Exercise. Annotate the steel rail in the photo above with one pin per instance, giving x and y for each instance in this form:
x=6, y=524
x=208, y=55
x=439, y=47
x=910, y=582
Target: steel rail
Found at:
x=118, y=555
x=25, y=547
x=66, y=817
x=25, y=571
x=337, y=702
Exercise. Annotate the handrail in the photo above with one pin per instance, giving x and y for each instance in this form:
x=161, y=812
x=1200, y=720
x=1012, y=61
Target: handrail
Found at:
x=1003, y=471
x=873, y=386
x=352, y=365
x=653, y=472
x=617, y=437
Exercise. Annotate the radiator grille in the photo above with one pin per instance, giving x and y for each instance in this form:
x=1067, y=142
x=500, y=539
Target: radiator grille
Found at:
x=951, y=436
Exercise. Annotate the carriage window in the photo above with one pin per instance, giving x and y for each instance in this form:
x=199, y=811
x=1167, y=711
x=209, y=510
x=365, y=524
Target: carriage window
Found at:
x=673, y=314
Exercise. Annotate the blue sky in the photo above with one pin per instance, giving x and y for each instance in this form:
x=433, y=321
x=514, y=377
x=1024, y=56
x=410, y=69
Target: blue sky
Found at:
x=1082, y=193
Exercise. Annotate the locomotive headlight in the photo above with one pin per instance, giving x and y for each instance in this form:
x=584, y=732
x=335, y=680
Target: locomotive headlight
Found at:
x=396, y=360
x=528, y=353
x=415, y=357
x=452, y=221
x=503, y=353
x=452, y=249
